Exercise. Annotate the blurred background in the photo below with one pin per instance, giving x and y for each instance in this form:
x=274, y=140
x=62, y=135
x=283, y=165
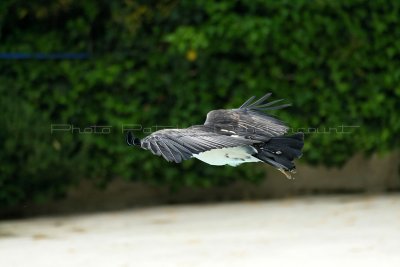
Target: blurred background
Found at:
x=75, y=74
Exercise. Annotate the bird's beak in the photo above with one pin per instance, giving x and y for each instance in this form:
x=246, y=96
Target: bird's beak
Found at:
x=131, y=140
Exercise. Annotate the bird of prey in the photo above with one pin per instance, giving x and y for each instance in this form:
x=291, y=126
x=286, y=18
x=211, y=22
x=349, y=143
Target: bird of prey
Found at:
x=230, y=137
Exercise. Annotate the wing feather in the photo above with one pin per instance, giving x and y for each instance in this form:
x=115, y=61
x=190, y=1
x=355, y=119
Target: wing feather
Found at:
x=177, y=145
x=259, y=101
x=249, y=121
x=248, y=101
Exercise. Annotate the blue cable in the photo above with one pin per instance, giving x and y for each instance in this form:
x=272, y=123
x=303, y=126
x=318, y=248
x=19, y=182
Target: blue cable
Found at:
x=44, y=56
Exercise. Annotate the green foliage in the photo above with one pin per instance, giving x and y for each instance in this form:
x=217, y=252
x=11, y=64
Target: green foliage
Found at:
x=169, y=63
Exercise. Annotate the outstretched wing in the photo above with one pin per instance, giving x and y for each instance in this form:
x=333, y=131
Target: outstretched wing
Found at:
x=249, y=120
x=181, y=144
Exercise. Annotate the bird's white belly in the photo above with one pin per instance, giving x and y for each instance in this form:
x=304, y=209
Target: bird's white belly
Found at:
x=232, y=156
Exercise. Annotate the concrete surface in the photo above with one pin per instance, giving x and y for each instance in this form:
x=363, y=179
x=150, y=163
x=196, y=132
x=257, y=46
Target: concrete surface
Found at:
x=312, y=231
x=360, y=174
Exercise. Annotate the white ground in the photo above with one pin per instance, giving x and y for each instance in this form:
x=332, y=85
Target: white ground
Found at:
x=332, y=231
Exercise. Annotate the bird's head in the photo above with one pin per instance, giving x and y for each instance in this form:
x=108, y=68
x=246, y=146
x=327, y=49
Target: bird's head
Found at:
x=131, y=140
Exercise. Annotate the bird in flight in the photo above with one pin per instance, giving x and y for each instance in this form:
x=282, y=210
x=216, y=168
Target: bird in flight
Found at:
x=230, y=137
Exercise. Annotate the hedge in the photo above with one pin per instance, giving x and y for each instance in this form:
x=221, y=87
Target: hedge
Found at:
x=163, y=63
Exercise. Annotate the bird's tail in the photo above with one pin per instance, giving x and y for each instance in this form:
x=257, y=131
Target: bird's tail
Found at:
x=281, y=151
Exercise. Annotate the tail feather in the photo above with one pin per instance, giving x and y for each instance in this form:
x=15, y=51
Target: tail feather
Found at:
x=281, y=151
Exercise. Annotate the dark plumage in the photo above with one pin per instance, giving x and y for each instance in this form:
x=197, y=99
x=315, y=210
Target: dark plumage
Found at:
x=230, y=136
